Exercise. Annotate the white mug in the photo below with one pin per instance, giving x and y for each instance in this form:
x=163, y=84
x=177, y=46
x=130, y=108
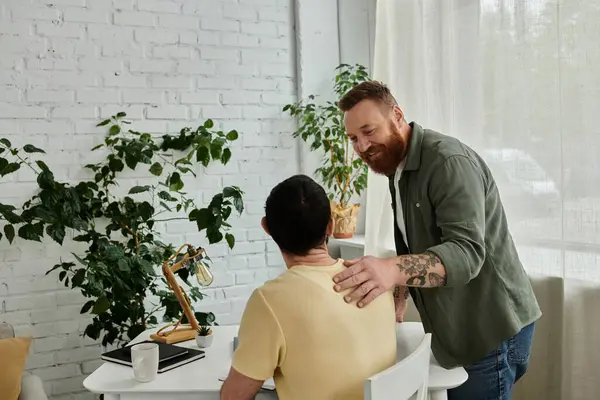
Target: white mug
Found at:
x=144, y=358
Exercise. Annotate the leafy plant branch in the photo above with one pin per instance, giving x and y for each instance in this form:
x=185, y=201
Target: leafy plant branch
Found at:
x=321, y=125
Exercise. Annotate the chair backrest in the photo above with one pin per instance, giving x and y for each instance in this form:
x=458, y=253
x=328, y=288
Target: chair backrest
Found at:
x=6, y=331
x=405, y=380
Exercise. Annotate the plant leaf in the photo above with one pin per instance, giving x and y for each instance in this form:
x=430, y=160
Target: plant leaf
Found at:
x=28, y=232
x=156, y=169
x=229, y=192
x=123, y=265
x=56, y=232
x=165, y=206
x=82, y=238
x=86, y=307
x=166, y=196
x=101, y=305
x=56, y=266
x=6, y=142
x=103, y=123
x=10, y=168
x=132, y=160
x=9, y=231
x=42, y=165
x=238, y=203
x=116, y=165
x=236, y=194
x=145, y=210
x=232, y=135
x=230, y=240
x=208, y=124
x=81, y=260
x=202, y=217
x=175, y=182
x=114, y=130
x=79, y=224
x=29, y=148
x=78, y=278
x=139, y=189
x=213, y=235
x=216, y=147
x=226, y=156
x=7, y=212
x=203, y=155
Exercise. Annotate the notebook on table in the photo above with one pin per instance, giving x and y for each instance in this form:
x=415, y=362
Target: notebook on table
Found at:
x=169, y=356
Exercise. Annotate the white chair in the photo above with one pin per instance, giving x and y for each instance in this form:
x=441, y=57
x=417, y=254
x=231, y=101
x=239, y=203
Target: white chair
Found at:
x=405, y=380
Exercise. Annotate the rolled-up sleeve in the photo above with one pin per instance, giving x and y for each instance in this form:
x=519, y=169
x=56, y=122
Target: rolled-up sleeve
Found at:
x=457, y=192
x=261, y=345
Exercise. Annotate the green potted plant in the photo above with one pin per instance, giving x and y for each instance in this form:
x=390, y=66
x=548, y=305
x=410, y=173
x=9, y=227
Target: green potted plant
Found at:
x=204, y=336
x=342, y=172
x=117, y=271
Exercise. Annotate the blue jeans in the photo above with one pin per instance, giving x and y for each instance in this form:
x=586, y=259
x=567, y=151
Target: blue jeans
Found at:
x=493, y=377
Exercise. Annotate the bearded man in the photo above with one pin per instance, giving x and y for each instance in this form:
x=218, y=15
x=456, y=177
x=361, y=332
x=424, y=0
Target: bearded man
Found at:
x=456, y=257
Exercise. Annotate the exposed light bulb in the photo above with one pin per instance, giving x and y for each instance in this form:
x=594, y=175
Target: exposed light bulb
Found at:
x=203, y=274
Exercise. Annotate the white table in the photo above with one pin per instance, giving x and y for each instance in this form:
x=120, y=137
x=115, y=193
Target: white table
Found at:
x=199, y=380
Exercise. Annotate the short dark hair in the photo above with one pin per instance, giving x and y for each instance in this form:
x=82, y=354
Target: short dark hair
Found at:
x=370, y=90
x=297, y=212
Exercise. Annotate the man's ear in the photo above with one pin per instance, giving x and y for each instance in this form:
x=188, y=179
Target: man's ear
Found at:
x=398, y=113
x=330, y=227
x=263, y=223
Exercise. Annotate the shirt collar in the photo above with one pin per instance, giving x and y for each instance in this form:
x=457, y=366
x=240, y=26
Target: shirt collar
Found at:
x=413, y=156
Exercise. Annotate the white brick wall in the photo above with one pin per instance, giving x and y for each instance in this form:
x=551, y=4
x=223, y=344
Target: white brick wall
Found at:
x=66, y=63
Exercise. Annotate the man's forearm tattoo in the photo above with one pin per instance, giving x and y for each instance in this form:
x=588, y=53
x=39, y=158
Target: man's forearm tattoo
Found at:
x=423, y=270
x=418, y=280
x=436, y=279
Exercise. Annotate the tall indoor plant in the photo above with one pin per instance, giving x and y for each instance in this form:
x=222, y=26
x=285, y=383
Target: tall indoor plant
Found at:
x=322, y=126
x=117, y=271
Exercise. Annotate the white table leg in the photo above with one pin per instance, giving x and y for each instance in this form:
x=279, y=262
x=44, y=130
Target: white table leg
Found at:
x=438, y=395
x=111, y=396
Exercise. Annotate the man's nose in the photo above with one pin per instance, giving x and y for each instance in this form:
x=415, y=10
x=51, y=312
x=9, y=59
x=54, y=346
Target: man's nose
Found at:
x=362, y=144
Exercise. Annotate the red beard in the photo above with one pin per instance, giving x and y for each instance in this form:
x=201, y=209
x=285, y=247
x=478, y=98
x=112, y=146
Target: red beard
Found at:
x=385, y=158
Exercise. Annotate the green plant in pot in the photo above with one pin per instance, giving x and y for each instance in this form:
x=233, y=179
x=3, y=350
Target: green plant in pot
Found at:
x=342, y=172
x=119, y=228
x=204, y=336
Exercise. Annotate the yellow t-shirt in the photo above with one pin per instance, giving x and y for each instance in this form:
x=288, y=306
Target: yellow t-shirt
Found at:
x=302, y=333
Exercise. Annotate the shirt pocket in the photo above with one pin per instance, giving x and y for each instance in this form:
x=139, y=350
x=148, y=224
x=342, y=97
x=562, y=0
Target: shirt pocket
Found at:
x=424, y=228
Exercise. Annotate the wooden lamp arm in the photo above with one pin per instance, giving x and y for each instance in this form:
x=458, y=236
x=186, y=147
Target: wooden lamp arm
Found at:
x=168, y=272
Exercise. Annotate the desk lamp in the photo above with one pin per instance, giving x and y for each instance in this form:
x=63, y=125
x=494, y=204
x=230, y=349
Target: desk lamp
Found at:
x=192, y=259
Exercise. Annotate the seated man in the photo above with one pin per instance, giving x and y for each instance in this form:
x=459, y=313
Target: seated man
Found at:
x=296, y=328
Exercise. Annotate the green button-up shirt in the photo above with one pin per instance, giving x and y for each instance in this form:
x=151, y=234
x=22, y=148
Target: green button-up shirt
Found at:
x=452, y=208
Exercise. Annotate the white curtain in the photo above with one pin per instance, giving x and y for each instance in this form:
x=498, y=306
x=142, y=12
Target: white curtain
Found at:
x=519, y=81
